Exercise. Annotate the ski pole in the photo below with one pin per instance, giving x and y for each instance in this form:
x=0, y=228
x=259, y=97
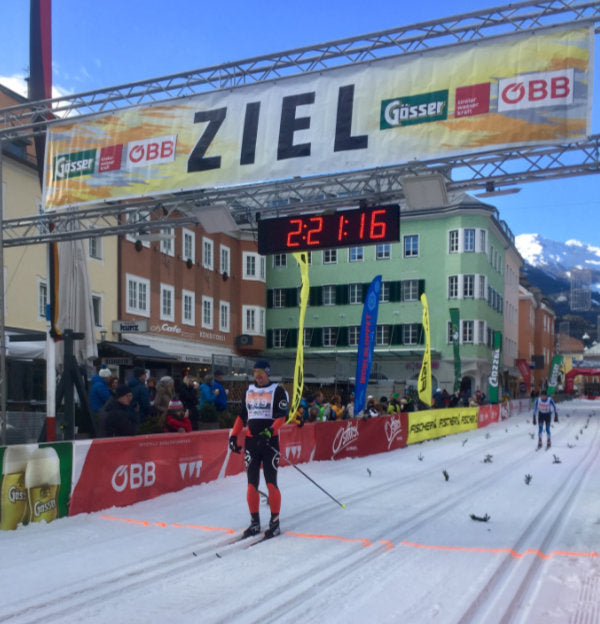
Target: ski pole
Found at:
x=311, y=480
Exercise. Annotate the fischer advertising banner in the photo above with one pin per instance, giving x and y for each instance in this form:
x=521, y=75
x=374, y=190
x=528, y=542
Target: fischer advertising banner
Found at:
x=366, y=344
x=430, y=424
x=512, y=90
x=424, y=381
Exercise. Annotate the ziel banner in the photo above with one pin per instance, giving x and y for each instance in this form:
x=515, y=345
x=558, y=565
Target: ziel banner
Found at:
x=511, y=90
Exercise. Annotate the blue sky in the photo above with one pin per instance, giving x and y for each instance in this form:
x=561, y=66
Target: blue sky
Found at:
x=102, y=44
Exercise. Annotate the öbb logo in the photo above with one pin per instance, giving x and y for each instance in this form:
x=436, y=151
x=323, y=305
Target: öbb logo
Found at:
x=134, y=476
x=153, y=151
x=536, y=90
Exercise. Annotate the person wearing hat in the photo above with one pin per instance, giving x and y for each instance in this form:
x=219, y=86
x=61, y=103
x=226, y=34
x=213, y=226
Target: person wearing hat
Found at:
x=543, y=407
x=177, y=417
x=99, y=390
x=263, y=413
x=115, y=417
x=140, y=403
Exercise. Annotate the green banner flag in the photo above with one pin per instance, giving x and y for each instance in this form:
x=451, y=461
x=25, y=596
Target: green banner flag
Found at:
x=455, y=337
x=494, y=374
x=557, y=361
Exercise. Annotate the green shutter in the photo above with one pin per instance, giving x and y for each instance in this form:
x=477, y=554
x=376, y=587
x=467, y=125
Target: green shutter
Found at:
x=291, y=297
x=396, y=334
x=291, y=339
x=269, y=298
x=342, y=338
x=395, y=291
x=421, y=287
x=341, y=294
x=315, y=297
x=317, y=337
x=269, y=338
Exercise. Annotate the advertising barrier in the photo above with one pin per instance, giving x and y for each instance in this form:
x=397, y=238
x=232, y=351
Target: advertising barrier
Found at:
x=49, y=481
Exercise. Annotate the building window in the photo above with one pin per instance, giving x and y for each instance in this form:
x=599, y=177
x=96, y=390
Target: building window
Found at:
x=353, y=335
x=137, y=217
x=207, y=254
x=166, y=244
x=467, y=332
x=410, y=334
x=280, y=261
x=224, y=316
x=330, y=256
x=97, y=309
x=225, y=260
x=279, y=336
x=329, y=336
x=188, y=307
x=138, y=295
x=383, y=251
x=453, y=241
x=328, y=293
x=481, y=333
x=167, y=303
x=411, y=246
x=279, y=297
x=95, y=247
x=253, y=320
x=410, y=290
x=355, y=293
x=453, y=287
x=188, y=244
x=254, y=266
x=384, y=293
x=307, y=338
x=482, y=288
x=356, y=254
x=382, y=335
x=468, y=286
x=42, y=298
x=207, y=312
x=469, y=239
x=482, y=247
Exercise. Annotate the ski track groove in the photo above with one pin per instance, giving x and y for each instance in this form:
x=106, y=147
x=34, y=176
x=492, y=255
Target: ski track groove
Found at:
x=502, y=605
x=97, y=589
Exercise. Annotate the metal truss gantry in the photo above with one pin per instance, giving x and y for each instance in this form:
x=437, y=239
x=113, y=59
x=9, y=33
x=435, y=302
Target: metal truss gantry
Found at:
x=482, y=170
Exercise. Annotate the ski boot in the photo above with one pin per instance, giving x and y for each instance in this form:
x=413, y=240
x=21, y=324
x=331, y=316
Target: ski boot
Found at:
x=273, y=529
x=540, y=443
x=253, y=529
x=548, y=444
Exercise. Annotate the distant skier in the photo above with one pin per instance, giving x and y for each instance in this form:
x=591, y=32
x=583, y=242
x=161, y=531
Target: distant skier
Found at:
x=543, y=407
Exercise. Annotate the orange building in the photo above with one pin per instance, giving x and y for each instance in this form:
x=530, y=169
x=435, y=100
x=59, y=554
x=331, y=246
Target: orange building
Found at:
x=536, y=333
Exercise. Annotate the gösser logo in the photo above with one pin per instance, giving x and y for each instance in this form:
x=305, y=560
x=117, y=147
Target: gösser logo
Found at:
x=74, y=165
x=151, y=151
x=134, y=476
x=535, y=90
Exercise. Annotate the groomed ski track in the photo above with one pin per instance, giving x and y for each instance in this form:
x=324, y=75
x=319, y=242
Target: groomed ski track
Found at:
x=404, y=549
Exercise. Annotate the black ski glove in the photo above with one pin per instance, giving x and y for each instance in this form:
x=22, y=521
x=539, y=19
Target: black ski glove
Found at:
x=555, y=417
x=233, y=445
x=534, y=421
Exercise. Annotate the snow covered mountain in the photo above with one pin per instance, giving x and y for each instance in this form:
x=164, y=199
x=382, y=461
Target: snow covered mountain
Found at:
x=548, y=265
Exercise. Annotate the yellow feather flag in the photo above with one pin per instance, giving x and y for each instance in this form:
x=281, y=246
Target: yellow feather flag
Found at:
x=424, y=384
x=302, y=258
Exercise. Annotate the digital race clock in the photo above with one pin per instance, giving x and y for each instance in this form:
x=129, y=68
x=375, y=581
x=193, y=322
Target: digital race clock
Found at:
x=345, y=228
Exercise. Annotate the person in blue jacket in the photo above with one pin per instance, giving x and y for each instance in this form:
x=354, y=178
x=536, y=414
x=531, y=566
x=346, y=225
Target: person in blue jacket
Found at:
x=543, y=408
x=99, y=390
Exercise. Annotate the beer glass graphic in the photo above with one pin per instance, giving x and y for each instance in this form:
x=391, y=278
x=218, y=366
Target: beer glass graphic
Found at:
x=13, y=493
x=42, y=480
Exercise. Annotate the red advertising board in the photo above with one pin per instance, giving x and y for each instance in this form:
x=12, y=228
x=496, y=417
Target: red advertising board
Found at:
x=122, y=471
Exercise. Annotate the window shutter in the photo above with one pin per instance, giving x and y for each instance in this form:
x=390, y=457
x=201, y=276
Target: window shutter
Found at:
x=395, y=291
x=269, y=338
x=341, y=294
x=269, y=298
x=342, y=337
x=317, y=337
x=291, y=297
x=291, y=340
x=421, y=287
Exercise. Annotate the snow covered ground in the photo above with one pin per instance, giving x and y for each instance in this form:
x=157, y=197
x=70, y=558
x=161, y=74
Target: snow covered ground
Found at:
x=404, y=549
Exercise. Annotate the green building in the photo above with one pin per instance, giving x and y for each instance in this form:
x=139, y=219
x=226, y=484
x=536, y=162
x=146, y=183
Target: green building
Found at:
x=461, y=256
